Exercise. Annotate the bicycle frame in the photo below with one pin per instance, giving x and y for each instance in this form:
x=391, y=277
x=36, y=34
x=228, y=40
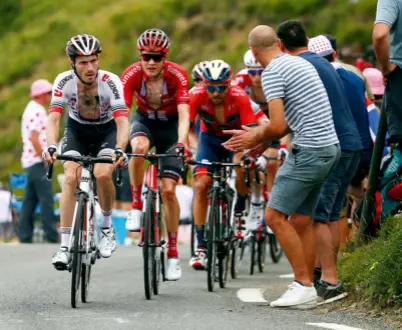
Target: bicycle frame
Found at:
x=86, y=187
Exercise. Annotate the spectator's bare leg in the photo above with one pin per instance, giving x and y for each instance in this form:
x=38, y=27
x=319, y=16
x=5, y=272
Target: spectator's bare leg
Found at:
x=291, y=244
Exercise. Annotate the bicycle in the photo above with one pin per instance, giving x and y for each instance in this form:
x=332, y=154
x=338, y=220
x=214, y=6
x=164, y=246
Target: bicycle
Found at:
x=151, y=231
x=218, y=230
x=83, y=244
x=256, y=239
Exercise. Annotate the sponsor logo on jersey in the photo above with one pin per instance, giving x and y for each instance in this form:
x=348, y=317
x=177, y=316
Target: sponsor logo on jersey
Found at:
x=114, y=89
x=105, y=77
x=178, y=74
x=130, y=73
x=64, y=81
x=57, y=93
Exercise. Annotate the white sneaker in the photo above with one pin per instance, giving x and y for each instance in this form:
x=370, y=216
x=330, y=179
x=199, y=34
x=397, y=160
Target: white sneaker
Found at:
x=198, y=261
x=256, y=216
x=297, y=296
x=133, y=222
x=107, y=243
x=61, y=258
x=173, y=271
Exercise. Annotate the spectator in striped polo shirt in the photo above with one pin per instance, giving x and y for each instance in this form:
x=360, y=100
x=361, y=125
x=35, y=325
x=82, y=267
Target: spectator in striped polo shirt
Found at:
x=298, y=103
x=327, y=214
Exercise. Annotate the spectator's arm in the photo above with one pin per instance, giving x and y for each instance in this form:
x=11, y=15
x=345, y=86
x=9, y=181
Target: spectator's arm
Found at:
x=381, y=44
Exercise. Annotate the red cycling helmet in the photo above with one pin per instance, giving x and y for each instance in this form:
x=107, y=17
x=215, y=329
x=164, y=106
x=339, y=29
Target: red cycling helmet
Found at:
x=153, y=40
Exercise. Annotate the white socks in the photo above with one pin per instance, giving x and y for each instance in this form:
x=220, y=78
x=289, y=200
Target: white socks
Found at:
x=65, y=236
x=106, y=219
x=256, y=197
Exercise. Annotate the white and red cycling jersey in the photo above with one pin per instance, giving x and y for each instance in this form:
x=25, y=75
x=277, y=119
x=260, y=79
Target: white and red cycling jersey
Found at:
x=174, y=90
x=242, y=80
x=110, y=97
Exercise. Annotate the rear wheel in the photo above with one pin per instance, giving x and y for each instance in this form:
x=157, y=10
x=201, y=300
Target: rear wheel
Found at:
x=76, y=263
x=275, y=249
x=253, y=248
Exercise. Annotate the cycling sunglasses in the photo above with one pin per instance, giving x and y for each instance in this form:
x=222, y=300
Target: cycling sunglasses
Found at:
x=216, y=88
x=155, y=57
x=255, y=72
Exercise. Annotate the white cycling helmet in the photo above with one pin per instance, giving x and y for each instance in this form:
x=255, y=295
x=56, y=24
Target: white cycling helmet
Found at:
x=217, y=72
x=196, y=73
x=250, y=61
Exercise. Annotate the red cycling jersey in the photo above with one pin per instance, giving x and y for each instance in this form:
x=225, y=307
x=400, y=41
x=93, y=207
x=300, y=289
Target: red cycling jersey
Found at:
x=237, y=110
x=174, y=90
x=242, y=80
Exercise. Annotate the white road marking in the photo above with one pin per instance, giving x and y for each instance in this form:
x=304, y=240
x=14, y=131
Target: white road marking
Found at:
x=251, y=295
x=119, y=320
x=333, y=326
x=291, y=275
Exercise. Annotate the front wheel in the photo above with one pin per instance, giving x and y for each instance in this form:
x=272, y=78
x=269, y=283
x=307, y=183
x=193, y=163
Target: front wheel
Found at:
x=148, y=247
x=85, y=278
x=76, y=263
x=275, y=249
x=211, y=244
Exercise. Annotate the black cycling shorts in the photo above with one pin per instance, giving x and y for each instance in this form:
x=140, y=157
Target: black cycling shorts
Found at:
x=89, y=139
x=163, y=136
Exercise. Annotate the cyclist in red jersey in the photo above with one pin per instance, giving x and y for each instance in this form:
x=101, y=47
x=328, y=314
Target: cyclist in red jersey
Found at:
x=219, y=106
x=161, y=120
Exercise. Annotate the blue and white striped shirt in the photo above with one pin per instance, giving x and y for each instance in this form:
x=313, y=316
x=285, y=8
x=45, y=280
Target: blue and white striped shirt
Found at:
x=307, y=108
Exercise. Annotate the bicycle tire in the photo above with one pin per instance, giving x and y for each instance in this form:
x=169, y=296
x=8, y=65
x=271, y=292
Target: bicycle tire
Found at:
x=147, y=247
x=211, y=244
x=76, y=263
x=192, y=238
x=253, y=243
x=261, y=253
x=225, y=239
x=274, y=249
x=85, y=278
x=156, y=253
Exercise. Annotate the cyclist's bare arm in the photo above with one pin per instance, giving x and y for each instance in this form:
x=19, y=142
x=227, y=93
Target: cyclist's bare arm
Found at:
x=53, y=129
x=184, y=123
x=122, y=132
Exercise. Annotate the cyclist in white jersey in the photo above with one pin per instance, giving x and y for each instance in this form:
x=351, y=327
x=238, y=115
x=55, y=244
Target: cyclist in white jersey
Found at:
x=97, y=125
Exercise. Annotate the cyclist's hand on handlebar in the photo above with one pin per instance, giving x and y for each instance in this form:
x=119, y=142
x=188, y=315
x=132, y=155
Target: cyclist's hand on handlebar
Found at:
x=283, y=152
x=261, y=163
x=120, y=158
x=187, y=154
x=50, y=154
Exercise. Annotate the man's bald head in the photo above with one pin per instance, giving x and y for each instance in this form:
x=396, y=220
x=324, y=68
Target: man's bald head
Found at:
x=262, y=36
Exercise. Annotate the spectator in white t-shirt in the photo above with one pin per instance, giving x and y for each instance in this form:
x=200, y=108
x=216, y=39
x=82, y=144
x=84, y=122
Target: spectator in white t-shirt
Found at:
x=6, y=212
x=38, y=189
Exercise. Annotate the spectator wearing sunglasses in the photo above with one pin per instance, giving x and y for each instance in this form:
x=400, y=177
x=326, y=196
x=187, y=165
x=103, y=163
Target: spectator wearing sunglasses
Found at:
x=161, y=121
x=220, y=106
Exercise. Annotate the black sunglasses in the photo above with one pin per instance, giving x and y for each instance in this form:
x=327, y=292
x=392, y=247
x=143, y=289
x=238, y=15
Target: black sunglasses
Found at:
x=255, y=72
x=155, y=57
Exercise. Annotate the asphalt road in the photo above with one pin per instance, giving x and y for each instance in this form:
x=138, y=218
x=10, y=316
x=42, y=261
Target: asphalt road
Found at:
x=35, y=296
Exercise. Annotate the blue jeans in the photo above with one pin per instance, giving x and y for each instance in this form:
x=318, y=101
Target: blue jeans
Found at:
x=333, y=194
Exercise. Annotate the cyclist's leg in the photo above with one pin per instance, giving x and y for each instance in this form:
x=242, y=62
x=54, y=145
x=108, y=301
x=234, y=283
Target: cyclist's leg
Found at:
x=71, y=144
x=272, y=165
x=241, y=188
x=140, y=142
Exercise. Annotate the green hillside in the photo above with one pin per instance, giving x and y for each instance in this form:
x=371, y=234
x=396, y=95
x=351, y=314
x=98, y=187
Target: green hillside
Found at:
x=33, y=34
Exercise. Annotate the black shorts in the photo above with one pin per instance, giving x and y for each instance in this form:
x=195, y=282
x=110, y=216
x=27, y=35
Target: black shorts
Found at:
x=276, y=144
x=163, y=136
x=89, y=140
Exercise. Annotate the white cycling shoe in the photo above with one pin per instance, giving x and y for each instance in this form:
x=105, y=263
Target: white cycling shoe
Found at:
x=107, y=243
x=256, y=216
x=61, y=258
x=173, y=271
x=133, y=222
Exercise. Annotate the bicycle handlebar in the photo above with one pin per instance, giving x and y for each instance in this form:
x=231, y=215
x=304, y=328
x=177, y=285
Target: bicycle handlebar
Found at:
x=85, y=160
x=213, y=164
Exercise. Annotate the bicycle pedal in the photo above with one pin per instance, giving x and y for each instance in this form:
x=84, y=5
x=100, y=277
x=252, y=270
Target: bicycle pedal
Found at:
x=140, y=244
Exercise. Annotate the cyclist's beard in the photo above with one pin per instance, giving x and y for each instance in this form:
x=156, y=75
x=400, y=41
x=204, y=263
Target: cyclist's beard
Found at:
x=82, y=79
